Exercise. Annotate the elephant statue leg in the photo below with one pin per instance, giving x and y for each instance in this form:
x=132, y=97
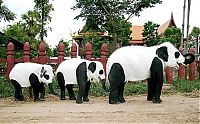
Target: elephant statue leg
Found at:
x=61, y=83
x=85, y=97
x=71, y=91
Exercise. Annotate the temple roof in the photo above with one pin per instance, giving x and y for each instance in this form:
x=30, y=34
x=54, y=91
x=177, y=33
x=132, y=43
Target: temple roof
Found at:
x=136, y=35
x=16, y=43
x=167, y=24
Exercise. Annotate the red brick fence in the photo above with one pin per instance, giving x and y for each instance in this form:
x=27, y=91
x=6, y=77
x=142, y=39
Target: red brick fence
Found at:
x=43, y=59
x=191, y=74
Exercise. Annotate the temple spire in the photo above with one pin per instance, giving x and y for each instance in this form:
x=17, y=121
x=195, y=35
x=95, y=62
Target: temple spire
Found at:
x=172, y=16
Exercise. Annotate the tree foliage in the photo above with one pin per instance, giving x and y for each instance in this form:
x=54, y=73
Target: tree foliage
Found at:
x=173, y=35
x=151, y=37
x=3, y=52
x=44, y=8
x=17, y=32
x=20, y=33
x=5, y=13
x=107, y=9
x=67, y=49
x=193, y=35
x=113, y=15
x=150, y=33
x=31, y=26
x=195, y=32
x=31, y=23
x=91, y=25
x=120, y=31
x=94, y=39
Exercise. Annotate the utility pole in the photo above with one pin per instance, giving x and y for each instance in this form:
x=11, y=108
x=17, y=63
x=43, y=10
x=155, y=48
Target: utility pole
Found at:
x=42, y=30
x=183, y=25
x=188, y=26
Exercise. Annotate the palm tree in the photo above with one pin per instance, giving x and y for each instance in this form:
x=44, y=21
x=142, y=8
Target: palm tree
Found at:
x=5, y=13
x=31, y=23
x=44, y=7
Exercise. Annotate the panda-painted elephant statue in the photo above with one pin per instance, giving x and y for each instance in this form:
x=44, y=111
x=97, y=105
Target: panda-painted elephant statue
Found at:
x=134, y=63
x=81, y=72
x=31, y=75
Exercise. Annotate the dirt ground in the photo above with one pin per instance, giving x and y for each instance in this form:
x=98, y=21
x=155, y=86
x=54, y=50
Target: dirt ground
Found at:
x=174, y=109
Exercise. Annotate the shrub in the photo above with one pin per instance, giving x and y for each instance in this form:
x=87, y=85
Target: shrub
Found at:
x=6, y=88
x=186, y=86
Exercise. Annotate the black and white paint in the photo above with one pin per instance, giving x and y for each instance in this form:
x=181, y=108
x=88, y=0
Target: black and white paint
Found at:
x=134, y=63
x=81, y=72
x=31, y=75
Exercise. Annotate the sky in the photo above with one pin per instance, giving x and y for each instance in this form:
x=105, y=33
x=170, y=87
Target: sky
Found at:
x=63, y=23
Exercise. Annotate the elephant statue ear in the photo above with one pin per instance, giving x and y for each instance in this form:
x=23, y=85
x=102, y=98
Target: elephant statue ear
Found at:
x=42, y=72
x=92, y=67
x=162, y=53
x=189, y=58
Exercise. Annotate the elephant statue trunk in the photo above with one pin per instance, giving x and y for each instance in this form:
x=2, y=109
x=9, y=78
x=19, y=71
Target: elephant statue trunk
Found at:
x=189, y=58
x=103, y=82
x=51, y=89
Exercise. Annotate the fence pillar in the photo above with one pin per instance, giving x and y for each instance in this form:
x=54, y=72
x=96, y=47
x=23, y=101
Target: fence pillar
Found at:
x=26, y=56
x=74, y=50
x=103, y=59
x=10, y=59
x=192, y=67
x=61, y=52
x=181, y=71
x=42, y=53
x=198, y=67
x=88, y=51
x=169, y=75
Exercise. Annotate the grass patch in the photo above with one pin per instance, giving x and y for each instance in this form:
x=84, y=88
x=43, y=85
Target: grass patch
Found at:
x=97, y=90
x=135, y=88
x=186, y=85
x=7, y=89
x=132, y=88
x=55, y=87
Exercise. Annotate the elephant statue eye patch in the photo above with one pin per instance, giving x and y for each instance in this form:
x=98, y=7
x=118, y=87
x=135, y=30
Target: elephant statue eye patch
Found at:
x=101, y=72
x=176, y=54
x=46, y=77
